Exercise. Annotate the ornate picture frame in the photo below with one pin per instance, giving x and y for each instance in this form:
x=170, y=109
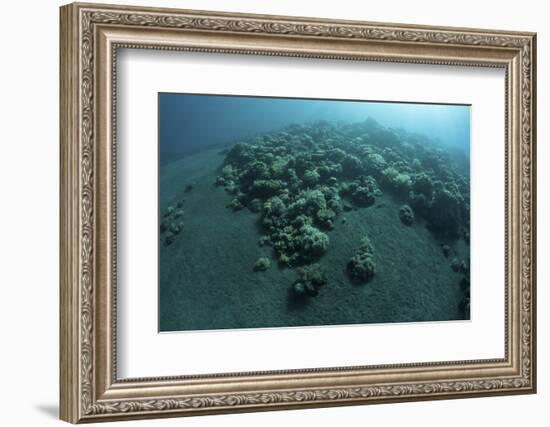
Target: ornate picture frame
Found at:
x=90, y=37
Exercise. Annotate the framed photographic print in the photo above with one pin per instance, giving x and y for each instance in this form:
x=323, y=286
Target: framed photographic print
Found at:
x=266, y=212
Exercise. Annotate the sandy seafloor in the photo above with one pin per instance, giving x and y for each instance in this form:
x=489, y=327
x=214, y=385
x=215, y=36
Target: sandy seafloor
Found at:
x=206, y=277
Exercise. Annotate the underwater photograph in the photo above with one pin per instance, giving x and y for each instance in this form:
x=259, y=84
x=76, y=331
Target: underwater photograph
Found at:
x=292, y=212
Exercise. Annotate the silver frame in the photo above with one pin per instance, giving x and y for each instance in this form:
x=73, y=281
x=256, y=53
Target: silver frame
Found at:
x=90, y=37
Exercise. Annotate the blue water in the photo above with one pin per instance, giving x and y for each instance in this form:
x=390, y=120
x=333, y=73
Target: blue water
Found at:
x=191, y=123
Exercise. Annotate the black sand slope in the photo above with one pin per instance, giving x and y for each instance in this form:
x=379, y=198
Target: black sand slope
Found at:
x=207, y=278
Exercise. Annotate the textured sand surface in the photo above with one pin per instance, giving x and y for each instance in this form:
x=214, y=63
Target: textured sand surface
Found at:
x=207, y=279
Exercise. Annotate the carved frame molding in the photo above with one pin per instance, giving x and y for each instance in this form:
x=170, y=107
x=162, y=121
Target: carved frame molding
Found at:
x=90, y=36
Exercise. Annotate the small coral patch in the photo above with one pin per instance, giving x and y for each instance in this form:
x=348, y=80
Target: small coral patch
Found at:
x=361, y=266
x=406, y=215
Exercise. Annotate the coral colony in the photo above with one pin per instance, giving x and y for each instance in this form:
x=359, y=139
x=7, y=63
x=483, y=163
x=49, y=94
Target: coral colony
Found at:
x=302, y=179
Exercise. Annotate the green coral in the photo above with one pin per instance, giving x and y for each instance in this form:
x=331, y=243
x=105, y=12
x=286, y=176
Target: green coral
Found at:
x=265, y=188
x=400, y=183
x=255, y=205
x=445, y=214
x=325, y=218
x=169, y=238
x=376, y=164
x=300, y=179
x=171, y=224
x=406, y=215
x=310, y=279
x=311, y=243
x=228, y=171
x=239, y=153
x=361, y=267
x=262, y=264
x=352, y=166
x=459, y=266
x=169, y=211
x=364, y=191
x=311, y=177
x=422, y=184
x=176, y=228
